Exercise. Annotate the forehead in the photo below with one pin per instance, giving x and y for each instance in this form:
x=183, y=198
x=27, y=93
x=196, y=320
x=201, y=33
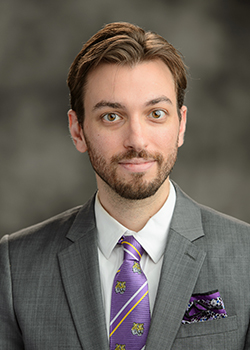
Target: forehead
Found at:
x=129, y=84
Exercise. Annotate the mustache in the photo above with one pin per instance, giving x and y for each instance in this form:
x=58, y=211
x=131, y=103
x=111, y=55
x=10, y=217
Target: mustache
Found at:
x=130, y=154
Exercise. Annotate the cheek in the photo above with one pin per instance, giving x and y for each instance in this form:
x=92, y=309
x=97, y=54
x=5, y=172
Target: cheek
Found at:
x=167, y=141
x=105, y=146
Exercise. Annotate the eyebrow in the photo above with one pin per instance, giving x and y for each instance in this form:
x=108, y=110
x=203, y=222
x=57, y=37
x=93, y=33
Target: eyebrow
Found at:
x=117, y=105
x=103, y=103
x=158, y=100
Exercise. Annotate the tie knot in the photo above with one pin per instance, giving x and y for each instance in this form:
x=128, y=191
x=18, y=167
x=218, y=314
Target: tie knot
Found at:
x=132, y=249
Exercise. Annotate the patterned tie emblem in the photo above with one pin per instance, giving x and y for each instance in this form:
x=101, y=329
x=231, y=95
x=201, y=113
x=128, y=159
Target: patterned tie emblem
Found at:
x=130, y=313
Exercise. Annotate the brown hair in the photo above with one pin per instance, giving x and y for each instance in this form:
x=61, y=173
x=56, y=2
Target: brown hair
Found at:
x=122, y=43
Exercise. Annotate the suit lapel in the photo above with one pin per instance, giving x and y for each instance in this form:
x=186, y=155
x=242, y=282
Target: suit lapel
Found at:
x=180, y=270
x=80, y=274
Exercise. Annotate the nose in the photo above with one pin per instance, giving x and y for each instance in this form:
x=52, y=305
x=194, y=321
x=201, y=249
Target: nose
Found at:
x=135, y=136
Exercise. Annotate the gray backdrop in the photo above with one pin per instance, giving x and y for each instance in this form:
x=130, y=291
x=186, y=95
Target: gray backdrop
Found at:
x=41, y=172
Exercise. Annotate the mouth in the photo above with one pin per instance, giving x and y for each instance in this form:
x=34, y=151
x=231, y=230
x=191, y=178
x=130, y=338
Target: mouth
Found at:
x=137, y=164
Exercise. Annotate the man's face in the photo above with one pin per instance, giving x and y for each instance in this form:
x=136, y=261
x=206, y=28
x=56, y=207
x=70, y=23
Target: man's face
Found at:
x=131, y=129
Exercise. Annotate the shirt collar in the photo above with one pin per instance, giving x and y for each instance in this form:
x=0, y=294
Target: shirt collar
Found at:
x=152, y=237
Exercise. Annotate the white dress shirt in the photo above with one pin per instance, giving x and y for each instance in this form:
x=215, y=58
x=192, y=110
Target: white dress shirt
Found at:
x=152, y=238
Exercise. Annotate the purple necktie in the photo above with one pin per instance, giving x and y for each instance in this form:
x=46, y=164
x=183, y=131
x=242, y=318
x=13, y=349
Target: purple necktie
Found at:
x=130, y=313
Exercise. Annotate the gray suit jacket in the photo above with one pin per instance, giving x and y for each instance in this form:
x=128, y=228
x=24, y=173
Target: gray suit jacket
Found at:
x=50, y=294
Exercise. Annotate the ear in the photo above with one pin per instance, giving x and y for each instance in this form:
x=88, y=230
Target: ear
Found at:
x=183, y=123
x=76, y=132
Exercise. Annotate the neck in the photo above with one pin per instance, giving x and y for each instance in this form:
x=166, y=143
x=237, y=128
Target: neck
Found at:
x=133, y=214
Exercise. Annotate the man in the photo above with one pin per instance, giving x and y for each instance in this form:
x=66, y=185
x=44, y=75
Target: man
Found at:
x=127, y=93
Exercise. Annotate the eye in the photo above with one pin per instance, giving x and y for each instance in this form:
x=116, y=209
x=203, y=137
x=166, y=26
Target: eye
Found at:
x=157, y=114
x=111, y=117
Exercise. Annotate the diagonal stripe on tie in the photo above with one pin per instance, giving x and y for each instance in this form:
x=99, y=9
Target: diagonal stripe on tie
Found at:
x=125, y=242
x=128, y=313
x=127, y=251
x=129, y=301
x=125, y=311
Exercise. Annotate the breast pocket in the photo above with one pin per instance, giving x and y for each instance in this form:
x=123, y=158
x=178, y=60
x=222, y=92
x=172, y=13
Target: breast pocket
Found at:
x=209, y=335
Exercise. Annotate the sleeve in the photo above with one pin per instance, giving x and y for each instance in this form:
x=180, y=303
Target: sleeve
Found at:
x=10, y=333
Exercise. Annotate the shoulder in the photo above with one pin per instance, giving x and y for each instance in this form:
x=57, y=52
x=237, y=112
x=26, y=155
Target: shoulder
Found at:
x=58, y=223
x=211, y=221
x=224, y=226
x=52, y=231
x=214, y=217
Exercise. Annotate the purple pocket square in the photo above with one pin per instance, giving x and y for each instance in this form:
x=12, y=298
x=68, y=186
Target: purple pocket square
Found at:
x=204, y=307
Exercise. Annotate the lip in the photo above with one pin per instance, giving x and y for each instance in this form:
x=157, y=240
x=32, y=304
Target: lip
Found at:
x=137, y=165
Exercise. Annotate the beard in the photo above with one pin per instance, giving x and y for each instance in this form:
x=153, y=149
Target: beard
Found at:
x=137, y=187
